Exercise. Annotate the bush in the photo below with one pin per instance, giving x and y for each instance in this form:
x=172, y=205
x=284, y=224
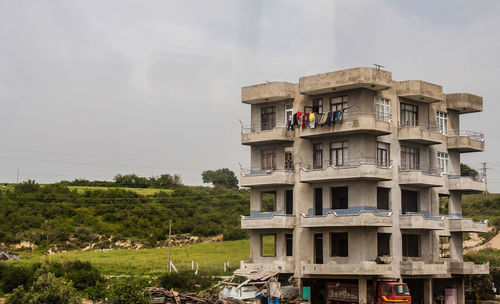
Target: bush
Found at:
x=129, y=292
x=231, y=234
x=28, y=186
x=184, y=281
x=13, y=276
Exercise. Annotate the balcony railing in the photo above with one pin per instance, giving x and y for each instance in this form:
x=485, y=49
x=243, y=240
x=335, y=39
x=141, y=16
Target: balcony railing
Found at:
x=255, y=127
x=473, y=135
x=253, y=178
x=421, y=177
x=347, y=163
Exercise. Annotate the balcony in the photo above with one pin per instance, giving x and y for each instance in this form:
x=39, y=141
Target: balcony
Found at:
x=464, y=102
x=332, y=268
x=275, y=266
x=357, y=78
x=355, y=170
x=421, y=220
x=350, y=122
x=268, y=220
x=421, y=178
x=351, y=217
x=271, y=177
x=267, y=92
x=469, y=268
x=421, y=134
x=254, y=134
x=422, y=268
x=467, y=225
x=420, y=91
x=466, y=183
x=466, y=141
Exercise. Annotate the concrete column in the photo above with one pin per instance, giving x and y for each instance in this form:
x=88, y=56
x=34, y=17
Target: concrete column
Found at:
x=460, y=291
x=455, y=203
x=427, y=291
x=362, y=290
x=456, y=247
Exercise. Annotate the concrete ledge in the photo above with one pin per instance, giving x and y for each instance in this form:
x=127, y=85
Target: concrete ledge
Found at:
x=267, y=92
x=363, y=268
x=273, y=178
x=362, y=123
x=464, y=102
x=418, y=135
x=467, y=225
x=420, y=91
x=274, y=222
x=281, y=266
x=420, y=179
x=418, y=221
x=466, y=184
x=363, y=219
x=275, y=135
x=369, y=78
x=422, y=268
x=465, y=144
x=469, y=268
x=361, y=172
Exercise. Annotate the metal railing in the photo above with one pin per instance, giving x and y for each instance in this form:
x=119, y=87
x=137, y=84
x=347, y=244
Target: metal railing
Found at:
x=260, y=172
x=254, y=127
x=422, y=126
x=347, y=163
x=426, y=171
x=479, y=177
x=349, y=211
x=479, y=136
x=351, y=115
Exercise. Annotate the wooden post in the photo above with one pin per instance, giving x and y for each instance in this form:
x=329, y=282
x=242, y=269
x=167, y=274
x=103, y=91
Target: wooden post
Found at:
x=169, y=243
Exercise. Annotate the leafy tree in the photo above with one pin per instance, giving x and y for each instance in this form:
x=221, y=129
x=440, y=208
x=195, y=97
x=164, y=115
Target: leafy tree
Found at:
x=18, y=296
x=465, y=170
x=28, y=186
x=221, y=177
x=129, y=292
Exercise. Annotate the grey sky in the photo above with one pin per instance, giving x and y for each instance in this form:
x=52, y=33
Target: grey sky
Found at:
x=94, y=88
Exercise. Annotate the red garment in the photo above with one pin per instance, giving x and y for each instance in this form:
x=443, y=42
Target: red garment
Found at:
x=305, y=119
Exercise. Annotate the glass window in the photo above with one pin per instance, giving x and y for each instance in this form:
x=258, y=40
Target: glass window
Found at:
x=318, y=156
x=317, y=106
x=289, y=158
x=382, y=109
x=340, y=244
x=288, y=111
x=444, y=162
x=383, y=154
x=289, y=244
x=267, y=118
x=410, y=159
x=442, y=122
x=409, y=115
x=339, y=155
x=386, y=289
x=268, y=159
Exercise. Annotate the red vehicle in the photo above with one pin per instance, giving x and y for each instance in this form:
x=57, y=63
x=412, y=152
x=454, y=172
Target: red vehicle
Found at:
x=386, y=291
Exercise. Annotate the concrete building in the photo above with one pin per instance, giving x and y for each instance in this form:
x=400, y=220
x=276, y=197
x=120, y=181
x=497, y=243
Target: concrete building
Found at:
x=360, y=198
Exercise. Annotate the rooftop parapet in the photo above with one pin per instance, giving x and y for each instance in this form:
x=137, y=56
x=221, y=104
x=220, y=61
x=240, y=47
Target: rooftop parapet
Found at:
x=420, y=91
x=267, y=92
x=368, y=78
x=464, y=102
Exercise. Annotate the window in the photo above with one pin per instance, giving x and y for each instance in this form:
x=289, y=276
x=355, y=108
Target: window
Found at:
x=317, y=156
x=410, y=159
x=318, y=248
x=268, y=245
x=340, y=197
x=288, y=201
x=382, y=109
x=340, y=244
x=383, y=198
x=339, y=153
x=442, y=122
x=318, y=201
x=409, y=201
x=268, y=201
x=317, y=106
x=338, y=103
x=383, y=154
x=267, y=118
x=289, y=244
x=444, y=162
x=288, y=111
x=289, y=158
x=411, y=245
x=268, y=159
x=444, y=246
x=383, y=244
x=387, y=289
x=409, y=115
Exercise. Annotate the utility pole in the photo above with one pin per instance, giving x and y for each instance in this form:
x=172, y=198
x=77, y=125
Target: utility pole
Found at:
x=169, y=242
x=485, y=179
x=17, y=179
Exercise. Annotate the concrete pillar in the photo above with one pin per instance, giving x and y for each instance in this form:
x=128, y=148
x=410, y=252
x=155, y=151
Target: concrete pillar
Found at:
x=455, y=203
x=427, y=291
x=362, y=290
x=460, y=291
x=456, y=247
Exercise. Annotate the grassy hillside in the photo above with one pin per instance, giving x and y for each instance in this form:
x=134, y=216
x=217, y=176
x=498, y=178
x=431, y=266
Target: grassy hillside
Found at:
x=140, y=191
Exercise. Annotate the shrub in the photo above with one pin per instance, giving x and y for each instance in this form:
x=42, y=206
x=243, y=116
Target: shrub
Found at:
x=129, y=292
x=184, y=281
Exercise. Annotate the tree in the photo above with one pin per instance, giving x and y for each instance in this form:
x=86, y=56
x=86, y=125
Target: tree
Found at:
x=467, y=171
x=221, y=177
x=129, y=292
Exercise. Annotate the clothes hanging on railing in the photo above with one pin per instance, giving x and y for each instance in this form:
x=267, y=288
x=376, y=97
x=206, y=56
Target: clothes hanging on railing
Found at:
x=315, y=120
x=312, y=122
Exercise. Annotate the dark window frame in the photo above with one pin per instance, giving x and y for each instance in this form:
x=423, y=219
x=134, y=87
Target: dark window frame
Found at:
x=289, y=244
x=318, y=148
x=267, y=118
x=383, y=154
x=339, y=251
x=268, y=159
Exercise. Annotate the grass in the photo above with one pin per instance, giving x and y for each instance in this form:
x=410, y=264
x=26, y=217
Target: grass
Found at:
x=151, y=262
x=140, y=191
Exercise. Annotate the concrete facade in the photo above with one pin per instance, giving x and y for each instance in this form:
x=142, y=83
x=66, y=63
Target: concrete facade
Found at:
x=333, y=221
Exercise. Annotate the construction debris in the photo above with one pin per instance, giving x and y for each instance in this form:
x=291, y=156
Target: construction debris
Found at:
x=161, y=296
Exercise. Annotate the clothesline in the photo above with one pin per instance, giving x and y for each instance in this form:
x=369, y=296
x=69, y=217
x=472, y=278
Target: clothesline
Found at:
x=314, y=119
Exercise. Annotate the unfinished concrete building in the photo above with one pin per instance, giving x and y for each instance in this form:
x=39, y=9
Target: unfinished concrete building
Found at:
x=359, y=198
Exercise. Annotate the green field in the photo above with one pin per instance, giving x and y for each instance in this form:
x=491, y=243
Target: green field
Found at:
x=140, y=191
x=144, y=262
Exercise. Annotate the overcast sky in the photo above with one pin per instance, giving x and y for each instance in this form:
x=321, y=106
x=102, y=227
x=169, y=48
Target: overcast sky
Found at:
x=94, y=88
